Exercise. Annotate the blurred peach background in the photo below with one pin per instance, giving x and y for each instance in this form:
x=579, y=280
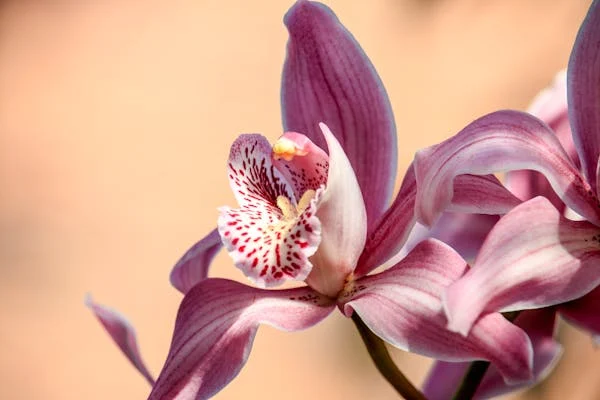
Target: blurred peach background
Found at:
x=115, y=123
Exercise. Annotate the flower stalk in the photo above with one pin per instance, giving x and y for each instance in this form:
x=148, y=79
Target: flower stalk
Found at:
x=384, y=363
x=477, y=371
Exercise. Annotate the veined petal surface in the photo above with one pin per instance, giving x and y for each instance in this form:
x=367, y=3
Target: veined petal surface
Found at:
x=328, y=78
x=532, y=258
x=193, y=266
x=403, y=306
x=583, y=84
x=215, y=328
x=481, y=194
x=123, y=334
x=498, y=142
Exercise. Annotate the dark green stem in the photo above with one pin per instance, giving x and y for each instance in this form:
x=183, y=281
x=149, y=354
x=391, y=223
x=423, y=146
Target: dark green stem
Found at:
x=477, y=371
x=384, y=363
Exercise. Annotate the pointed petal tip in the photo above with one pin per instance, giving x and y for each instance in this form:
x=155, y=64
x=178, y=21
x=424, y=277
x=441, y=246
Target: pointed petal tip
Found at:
x=299, y=15
x=459, y=320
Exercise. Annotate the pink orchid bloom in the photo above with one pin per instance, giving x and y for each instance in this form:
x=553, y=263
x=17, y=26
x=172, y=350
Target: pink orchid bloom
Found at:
x=534, y=256
x=466, y=234
x=315, y=207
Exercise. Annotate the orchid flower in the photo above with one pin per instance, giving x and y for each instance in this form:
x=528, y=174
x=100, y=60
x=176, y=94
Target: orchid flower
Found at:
x=466, y=234
x=315, y=208
x=534, y=256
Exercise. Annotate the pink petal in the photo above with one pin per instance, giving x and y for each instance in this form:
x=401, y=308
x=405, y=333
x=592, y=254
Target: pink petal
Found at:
x=402, y=305
x=193, y=266
x=584, y=92
x=390, y=232
x=501, y=141
x=445, y=377
x=123, y=334
x=534, y=257
x=465, y=233
x=550, y=105
x=341, y=211
x=272, y=235
x=215, y=328
x=328, y=78
x=481, y=195
x=584, y=312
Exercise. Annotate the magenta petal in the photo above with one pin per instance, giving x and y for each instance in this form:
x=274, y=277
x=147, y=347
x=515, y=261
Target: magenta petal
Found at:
x=534, y=257
x=583, y=84
x=402, y=305
x=550, y=106
x=391, y=231
x=123, y=334
x=328, y=78
x=584, y=312
x=193, y=266
x=445, y=377
x=501, y=141
x=483, y=194
x=215, y=328
x=465, y=233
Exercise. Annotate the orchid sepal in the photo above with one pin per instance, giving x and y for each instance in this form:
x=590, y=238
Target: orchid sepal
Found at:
x=328, y=78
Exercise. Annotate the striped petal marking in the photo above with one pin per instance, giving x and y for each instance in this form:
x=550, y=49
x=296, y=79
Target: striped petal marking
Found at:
x=275, y=229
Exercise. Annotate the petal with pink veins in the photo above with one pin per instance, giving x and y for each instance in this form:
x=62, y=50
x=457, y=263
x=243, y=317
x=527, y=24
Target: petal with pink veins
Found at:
x=532, y=258
x=193, y=266
x=497, y=142
x=328, y=78
x=402, y=305
x=272, y=235
x=583, y=87
x=481, y=194
x=215, y=328
x=123, y=334
x=445, y=377
x=343, y=217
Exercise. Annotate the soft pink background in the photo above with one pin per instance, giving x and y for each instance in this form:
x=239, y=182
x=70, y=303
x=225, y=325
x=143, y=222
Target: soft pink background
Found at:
x=115, y=122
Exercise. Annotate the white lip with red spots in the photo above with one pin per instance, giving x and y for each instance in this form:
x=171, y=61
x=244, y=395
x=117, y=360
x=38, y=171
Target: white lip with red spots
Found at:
x=275, y=230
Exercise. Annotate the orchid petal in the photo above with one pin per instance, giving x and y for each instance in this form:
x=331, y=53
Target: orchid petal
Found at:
x=445, y=377
x=122, y=333
x=215, y=328
x=465, y=233
x=584, y=312
x=550, y=105
x=501, y=141
x=193, y=266
x=481, y=195
x=272, y=235
x=342, y=213
x=327, y=77
x=584, y=92
x=534, y=257
x=402, y=305
x=390, y=232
